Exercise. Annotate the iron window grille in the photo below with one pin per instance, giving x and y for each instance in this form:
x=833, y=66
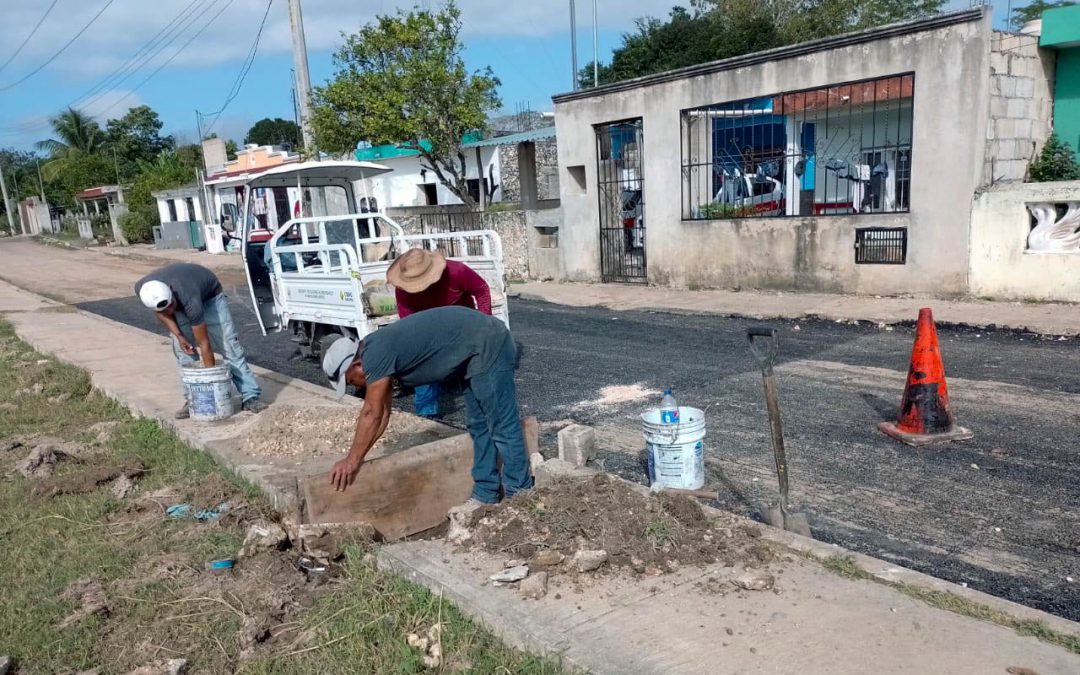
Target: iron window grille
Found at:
x=881, y=246
x=836, y=150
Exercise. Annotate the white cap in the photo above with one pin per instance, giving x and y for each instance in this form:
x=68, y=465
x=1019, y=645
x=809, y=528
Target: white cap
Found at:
x=337, y=360
x=156, y=295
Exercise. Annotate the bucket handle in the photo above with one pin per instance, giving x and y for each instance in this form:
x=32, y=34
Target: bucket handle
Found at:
x=765, y=358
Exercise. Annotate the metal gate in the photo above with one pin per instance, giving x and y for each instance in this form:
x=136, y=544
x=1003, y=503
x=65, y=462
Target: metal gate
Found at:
x=622, y=205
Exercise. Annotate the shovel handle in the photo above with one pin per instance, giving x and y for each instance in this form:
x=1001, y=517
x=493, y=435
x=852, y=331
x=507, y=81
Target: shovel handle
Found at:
x=767, y=357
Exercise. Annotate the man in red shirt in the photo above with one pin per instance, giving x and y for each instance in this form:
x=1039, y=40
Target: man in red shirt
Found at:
x=425, y=280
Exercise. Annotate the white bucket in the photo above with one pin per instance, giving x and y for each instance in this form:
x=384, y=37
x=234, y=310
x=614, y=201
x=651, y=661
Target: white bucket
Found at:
x=676, y=452
x=209, y=392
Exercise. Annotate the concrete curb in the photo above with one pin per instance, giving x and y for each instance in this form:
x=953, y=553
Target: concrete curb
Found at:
x=821, y=316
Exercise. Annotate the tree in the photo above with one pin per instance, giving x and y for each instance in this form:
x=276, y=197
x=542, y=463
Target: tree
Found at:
x=402, y=80
x=170, y=169
x=1057, y=161
x=275, y=131
x=76, y=135
x=719, y=29
x=136, y=137
x=1034, y=10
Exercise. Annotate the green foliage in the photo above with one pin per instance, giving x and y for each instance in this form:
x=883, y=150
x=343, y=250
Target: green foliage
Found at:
x=169, y=170
x=77, y=139
x=136, y=137
x=275, y=131
x=1034, y=10
x=77, y=171
x=138, y=224
x=720, y=210
x=402, y=79
x=1057, y=161
x=719, y=29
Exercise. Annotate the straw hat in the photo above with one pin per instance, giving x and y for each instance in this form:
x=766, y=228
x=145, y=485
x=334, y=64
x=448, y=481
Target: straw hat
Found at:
x=416, y=270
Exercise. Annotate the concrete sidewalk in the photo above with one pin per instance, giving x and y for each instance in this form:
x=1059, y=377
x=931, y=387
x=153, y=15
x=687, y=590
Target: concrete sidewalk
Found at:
x=138, y=369
x=1046, y=318
x=819, y=622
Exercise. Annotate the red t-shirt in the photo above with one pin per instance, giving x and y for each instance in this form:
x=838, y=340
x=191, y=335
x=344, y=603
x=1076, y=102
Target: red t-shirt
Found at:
x=459, y=285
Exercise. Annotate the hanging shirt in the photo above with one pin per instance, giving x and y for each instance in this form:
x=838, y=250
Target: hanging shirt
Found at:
x=459, y=285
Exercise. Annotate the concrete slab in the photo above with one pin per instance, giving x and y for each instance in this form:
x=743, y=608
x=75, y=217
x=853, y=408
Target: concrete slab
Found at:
x=817, y=623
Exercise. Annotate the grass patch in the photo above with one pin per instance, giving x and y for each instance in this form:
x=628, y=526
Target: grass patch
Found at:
x=847, y=567
x=357, y=622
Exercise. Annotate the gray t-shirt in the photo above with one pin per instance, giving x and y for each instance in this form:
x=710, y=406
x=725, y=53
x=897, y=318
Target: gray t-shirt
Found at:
x=192, y=285
x=435, y=345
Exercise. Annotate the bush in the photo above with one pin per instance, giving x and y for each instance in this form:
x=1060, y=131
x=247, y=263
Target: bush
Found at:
x=1056, y=162
x=138, y=225
x=721, y=210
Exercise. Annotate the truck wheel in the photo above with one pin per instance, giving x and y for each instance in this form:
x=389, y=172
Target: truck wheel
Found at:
x=324, y=343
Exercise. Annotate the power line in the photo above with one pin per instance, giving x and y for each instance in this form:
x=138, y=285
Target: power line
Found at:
x=19, y=49
x=142, y=57
x=61, y=50
x=170, y=59
x=245, y=68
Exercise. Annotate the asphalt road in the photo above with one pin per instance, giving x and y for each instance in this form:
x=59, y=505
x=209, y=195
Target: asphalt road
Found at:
x=1000, y=513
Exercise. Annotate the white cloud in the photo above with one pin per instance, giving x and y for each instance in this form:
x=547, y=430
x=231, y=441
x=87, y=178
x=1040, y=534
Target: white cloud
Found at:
x=126, y=26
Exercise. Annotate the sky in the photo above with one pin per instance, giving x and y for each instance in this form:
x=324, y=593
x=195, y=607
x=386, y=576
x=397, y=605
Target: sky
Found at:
x=183, y=56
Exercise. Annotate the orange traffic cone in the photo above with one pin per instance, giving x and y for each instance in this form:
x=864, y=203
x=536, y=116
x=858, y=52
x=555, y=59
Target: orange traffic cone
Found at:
x=924, y=412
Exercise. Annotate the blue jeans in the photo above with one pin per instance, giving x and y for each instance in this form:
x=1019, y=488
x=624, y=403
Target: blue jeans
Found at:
x=426, y=400
x=223, y=340
x=495, y=427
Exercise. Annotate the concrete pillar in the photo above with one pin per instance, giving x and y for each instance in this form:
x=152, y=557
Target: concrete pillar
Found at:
x=480, y=180
x=791, y=156
x=577, y=444
x=527, y=175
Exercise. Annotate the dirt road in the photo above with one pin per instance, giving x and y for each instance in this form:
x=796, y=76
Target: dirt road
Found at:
x=1000, y=513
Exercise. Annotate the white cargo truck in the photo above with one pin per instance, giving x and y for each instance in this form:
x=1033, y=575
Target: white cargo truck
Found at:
x=322, y=273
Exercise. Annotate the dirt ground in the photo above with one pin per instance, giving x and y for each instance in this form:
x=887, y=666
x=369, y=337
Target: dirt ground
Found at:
x=642, y=534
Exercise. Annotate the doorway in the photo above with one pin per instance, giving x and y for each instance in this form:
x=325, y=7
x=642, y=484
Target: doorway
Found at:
x=621, y=194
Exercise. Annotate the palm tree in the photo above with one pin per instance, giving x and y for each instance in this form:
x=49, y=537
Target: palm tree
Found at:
x=76, y=134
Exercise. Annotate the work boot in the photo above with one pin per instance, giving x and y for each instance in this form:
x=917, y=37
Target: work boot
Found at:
x=183, y=413
x=253, y=405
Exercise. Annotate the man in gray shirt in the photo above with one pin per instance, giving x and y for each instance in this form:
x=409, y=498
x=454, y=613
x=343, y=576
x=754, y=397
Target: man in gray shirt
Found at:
x=189, y=301
x=427, y=348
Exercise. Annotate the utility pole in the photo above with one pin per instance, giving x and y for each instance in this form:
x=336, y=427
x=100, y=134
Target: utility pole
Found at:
x=41, y=183
x=595, y=50
x=573, y=43
x=300, y=64
x=7, y=203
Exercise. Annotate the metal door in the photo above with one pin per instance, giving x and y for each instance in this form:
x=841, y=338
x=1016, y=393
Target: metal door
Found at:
x=619, y=170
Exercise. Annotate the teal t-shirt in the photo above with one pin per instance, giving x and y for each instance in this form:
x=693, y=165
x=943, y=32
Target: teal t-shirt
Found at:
x=435, y=345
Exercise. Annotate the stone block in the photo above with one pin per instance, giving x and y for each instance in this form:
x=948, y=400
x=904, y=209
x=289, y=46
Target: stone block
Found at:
x=1025, y=87
x=551, y=470
x=1018, y=108
x=1005, y=128
x=327, y=541
x=1004, y=85
x=999, y=63
x=999, y=107
x=577, y=444
x=1022, y=129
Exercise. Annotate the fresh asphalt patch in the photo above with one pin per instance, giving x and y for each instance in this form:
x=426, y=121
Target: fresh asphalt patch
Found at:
x=1000, y=513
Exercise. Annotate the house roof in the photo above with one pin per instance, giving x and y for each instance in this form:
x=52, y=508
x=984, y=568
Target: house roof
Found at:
x=98, y=192
x=225, y=176
x=317, y=173
x=514, y=139
x=791, y=51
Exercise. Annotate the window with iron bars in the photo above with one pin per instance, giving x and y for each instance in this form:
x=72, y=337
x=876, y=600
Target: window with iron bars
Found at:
x=836, y=150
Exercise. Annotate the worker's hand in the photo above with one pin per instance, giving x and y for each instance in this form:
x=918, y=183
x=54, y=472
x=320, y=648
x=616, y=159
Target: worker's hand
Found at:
x=185, y=346
x=344, y=472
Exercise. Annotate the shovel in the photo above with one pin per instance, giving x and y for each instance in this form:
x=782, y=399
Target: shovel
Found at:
x=778, y=516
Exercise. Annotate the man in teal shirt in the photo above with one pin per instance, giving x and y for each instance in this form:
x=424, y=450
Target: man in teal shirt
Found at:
x=426, y=348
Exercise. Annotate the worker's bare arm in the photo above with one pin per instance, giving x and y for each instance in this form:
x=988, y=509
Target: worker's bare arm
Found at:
x=202, y=339
x=171, y=325
x=370, y=425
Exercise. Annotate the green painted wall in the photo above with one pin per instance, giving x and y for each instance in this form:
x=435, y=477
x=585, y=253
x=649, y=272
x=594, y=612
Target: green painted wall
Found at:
x=1067, y=97
x=1061, y=27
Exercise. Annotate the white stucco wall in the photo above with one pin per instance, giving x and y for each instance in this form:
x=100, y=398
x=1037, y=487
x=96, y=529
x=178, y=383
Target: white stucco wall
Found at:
x=951, y=67
x=1001, y=266
x=401, y=187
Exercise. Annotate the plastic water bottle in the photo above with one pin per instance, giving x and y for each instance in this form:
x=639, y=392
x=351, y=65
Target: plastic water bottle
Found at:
x=669, y=409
